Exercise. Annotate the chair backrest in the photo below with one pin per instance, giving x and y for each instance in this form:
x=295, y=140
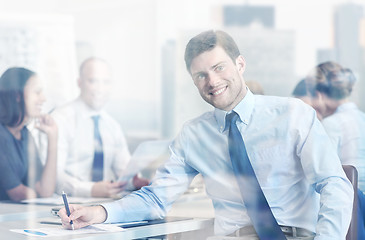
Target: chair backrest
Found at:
x=351, y=174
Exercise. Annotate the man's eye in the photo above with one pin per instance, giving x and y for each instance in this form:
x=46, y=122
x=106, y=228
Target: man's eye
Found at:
x=200, y=77
x=219, y=68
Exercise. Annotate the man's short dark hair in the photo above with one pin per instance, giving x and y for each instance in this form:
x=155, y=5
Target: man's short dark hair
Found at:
x=208, y=40
x=12, y=105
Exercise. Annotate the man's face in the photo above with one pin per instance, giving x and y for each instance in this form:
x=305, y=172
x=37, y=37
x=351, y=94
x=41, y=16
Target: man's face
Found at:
x=95, y=84
x=218, y=79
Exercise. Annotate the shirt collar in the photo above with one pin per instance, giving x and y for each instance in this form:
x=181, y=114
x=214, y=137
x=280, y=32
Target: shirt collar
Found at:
x=88, y=112
x=243, y=109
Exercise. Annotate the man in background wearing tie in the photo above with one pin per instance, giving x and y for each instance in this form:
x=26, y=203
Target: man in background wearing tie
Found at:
x=267, y=163
x=92, y=148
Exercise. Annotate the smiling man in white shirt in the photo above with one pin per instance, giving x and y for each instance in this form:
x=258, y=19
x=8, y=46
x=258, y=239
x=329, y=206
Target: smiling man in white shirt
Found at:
x=297, y=169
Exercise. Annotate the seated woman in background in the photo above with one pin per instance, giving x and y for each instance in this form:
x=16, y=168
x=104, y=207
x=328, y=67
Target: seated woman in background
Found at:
x=22, y=175
x=331, y=87
x=343, y=121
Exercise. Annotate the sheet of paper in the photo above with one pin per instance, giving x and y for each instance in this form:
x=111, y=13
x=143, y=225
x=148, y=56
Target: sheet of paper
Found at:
x=57, y=200
x=59, y=231
x=146, y=153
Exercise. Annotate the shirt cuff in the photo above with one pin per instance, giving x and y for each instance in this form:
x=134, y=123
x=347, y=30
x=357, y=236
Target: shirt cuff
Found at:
x=113, y=211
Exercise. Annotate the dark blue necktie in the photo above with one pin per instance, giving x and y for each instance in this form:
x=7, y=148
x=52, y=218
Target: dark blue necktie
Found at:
x=98, y=163
x=254, y=199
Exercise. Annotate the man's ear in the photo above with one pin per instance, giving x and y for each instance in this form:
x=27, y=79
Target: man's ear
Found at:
x=241, y=64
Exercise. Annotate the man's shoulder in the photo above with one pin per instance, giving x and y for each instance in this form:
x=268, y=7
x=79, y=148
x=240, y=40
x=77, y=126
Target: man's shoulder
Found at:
x=205, y=118
x=277, y=100
x=281, y=103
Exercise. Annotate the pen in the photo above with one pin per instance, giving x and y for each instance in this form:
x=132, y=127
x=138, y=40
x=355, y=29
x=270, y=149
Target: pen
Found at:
x=49, y=222
x=64, y=197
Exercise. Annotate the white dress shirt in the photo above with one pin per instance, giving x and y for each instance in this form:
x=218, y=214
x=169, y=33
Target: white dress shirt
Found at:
x=294, y=161
x=76, y=147
x=346, y=128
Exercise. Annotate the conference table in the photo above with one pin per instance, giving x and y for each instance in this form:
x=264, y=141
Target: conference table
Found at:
x=194, y=212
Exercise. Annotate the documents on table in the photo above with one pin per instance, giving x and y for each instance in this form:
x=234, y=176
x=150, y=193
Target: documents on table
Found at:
x=96, y=228
x=59, y=231
x=57, y=200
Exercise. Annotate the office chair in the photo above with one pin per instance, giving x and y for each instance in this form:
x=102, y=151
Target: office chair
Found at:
x=351, y=174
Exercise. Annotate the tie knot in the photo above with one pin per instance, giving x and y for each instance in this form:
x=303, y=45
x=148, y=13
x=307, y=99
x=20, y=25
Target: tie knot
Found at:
x=231, y=119
x=96, y=119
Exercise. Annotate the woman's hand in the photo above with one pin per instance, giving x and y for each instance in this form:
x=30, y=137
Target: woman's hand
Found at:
x=46, y=124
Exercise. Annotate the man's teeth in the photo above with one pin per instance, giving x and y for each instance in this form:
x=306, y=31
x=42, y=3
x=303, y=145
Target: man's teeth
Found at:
x=218, y=92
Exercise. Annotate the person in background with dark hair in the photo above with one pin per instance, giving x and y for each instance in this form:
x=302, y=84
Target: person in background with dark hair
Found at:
x=331, y=87
x=300, y=92
x=296, y=168
x=316, y=79
x=21, y=171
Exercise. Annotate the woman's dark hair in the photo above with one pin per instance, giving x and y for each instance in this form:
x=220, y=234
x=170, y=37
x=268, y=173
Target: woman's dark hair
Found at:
x=300, y=89
x=208, y=40
x=331, y=79
x=338, y=84
x=12, y=105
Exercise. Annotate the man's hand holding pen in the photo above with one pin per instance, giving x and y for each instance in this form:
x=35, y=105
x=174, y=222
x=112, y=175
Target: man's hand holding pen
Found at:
x=82, y=216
